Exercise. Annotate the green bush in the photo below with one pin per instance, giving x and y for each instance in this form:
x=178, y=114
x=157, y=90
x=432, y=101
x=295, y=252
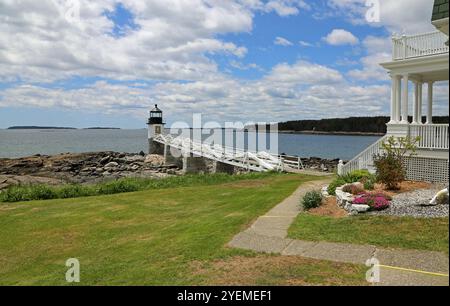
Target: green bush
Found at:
x=312, y=199
x=338, y=182
x=362, y=176
x=369, y=181
x=369, y=184
x=356, y=176
x=75, y=191
x=42, y=192
x=390, y=171
x=13, y=194
x=121, y=186
x=390, y=165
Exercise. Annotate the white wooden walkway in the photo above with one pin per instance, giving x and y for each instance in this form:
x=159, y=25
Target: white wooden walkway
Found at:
x=252, y=161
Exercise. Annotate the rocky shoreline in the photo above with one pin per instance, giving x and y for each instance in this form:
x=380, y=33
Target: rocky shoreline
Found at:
x=81, y=168
x=88, y=168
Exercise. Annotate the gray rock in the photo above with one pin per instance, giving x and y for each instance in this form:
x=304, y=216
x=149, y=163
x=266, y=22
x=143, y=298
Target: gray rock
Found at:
x=360, y=208
x=111, y=165
x=135, y=158
x=105, y=160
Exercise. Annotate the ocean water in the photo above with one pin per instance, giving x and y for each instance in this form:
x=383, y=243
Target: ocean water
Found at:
x=20, y=143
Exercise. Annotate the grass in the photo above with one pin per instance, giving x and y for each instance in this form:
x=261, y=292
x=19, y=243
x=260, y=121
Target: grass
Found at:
x=44, y=192
x=172, y=236
x=382, y=231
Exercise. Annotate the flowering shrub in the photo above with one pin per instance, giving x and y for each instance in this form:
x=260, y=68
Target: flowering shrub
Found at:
x=375, y=201
x=390, y=165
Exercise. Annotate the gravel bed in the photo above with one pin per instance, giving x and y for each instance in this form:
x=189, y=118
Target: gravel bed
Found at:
x=416, y=204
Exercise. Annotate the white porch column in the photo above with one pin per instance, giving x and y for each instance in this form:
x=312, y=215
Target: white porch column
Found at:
x=416, y=103
x=398, y=100
x=405, y=99
x=420, y=101
x=393, y=99
x=430, y=103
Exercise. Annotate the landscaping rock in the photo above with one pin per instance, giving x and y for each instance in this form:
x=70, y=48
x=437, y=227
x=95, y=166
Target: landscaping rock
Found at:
x=325, y=193
x=360, y=208
x=416, y=204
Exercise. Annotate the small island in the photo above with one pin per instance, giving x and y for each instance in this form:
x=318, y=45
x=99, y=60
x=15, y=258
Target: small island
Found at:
x=40, y=128
x=102, y=128
x=58, y=128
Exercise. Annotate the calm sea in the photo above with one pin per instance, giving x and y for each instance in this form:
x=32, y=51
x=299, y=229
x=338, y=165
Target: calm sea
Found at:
x=20, y=143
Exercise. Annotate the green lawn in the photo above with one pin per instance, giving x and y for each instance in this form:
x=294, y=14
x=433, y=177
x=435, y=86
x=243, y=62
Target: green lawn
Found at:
x=171, y=236
x=393, y=232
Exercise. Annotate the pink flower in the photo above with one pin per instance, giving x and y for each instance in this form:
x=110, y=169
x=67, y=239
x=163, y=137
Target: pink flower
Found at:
x=375, y=201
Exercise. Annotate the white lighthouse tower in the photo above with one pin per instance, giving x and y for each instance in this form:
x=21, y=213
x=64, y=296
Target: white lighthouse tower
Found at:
x=155, y=127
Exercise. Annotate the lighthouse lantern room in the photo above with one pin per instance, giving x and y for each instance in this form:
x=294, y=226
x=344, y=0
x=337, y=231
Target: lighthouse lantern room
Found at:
x=155, y=122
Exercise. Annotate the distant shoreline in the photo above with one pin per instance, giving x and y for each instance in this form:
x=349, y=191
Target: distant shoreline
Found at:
x=336, y=133
x=58, y=128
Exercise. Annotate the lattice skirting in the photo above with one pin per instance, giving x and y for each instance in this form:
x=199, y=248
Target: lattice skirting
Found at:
x=425, y=169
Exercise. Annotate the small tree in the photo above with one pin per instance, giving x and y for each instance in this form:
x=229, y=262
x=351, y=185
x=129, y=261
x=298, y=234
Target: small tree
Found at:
x=390, y=165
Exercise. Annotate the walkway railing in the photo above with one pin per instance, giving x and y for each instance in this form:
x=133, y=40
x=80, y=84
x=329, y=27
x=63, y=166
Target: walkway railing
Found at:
x=364, y=160
x=427, y=44
x=254, y=161
x=432, y=136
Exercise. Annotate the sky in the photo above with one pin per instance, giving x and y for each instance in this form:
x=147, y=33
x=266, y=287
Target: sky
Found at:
x=84, y=63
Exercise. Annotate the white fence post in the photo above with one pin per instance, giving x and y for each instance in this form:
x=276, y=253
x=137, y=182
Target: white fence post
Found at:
x=340, y=167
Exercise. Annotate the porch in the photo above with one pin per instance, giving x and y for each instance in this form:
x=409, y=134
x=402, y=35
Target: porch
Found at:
x=418, y=63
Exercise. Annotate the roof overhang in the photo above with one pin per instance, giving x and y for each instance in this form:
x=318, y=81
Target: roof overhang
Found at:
x=441, y=25
x=427, y=68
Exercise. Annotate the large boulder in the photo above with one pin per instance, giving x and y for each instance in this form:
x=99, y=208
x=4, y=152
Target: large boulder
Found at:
x=111, y=165
x=154, y=160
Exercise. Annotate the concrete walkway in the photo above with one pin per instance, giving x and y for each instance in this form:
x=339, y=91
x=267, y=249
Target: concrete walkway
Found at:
x=397, y=267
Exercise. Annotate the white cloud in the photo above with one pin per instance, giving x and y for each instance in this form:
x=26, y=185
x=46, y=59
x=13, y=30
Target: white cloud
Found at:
x=305, y=44
x=171, y=41
x=302, y=73
x=169, y=53
x=378, y=51
x=339, y=37
x=282, y=42
x=242, y=66
x=286, y=7
x=301, y=90
x=401, y=16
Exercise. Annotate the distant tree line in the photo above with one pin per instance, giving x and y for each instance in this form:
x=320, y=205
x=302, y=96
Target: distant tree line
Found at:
x=348, y=125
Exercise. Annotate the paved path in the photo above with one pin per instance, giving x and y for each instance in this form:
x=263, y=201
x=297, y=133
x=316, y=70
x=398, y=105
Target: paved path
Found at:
x=398, y=267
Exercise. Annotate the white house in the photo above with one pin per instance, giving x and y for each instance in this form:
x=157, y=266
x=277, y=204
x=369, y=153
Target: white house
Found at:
x=418, y=63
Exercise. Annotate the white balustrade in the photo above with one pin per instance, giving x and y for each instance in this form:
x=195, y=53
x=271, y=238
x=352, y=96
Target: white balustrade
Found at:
x=420, y=45
x=432, y=136
x=365, y=159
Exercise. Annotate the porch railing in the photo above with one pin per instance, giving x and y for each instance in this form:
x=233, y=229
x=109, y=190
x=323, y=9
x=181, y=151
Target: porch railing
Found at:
x=364, y=160
x=420, y=45
x=432, y=136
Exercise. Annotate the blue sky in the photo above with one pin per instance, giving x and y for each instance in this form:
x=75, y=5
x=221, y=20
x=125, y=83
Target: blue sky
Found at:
x=106, y=63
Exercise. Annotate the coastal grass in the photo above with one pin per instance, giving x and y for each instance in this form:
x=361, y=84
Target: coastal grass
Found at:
x=431, y=234
x=172, y=236
x=45, y=192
